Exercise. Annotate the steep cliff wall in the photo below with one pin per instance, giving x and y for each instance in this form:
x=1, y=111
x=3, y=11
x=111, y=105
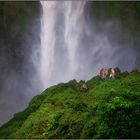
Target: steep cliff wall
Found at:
x=19, y=35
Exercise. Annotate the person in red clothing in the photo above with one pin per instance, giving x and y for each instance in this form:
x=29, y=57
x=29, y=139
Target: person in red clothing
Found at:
x=101, y=72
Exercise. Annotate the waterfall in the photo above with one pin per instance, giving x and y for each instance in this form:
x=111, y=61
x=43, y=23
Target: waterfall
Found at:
x=60, y=32
x=75, y=47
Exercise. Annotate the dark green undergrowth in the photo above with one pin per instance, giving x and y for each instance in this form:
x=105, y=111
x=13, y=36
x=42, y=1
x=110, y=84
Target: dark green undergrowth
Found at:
x=108, y=109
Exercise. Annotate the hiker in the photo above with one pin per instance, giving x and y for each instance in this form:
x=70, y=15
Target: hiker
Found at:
x=106, y=72
x=112, y=74
x=101, y=72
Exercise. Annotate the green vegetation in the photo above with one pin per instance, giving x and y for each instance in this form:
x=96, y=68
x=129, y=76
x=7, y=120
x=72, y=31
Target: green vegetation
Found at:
x=108, y=109
x=127, y=12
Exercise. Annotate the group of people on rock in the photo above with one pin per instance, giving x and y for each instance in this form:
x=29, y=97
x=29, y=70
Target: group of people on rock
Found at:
x=104, y=73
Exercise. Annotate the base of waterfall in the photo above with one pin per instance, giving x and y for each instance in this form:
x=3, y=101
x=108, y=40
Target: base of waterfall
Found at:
x=109, y=108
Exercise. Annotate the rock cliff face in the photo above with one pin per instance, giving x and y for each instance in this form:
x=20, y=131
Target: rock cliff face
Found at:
x=19, y=36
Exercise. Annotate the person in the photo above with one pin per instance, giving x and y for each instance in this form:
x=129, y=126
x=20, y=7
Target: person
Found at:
x=106, y=71
x=101, y=72
x=104, y=74
x=112, y=73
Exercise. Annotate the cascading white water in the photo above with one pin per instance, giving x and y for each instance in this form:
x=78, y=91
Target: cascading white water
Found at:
x=47, y=41
x=73, y=30
x=62, y=36
x=73, y=48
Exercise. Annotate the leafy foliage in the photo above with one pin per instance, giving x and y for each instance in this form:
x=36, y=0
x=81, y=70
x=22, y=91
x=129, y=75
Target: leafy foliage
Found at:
x=108, y=109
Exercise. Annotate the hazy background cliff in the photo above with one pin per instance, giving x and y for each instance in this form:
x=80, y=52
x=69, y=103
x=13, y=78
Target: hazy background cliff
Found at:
x=19, y=37
x=107, y=34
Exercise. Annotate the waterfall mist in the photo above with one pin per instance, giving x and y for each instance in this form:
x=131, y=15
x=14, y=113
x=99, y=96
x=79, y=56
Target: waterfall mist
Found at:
x=75, y=47
x=62, y=25
x=19, y=42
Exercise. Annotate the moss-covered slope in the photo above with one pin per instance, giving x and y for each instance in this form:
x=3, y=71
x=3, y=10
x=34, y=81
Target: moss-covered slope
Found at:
x=108, y=109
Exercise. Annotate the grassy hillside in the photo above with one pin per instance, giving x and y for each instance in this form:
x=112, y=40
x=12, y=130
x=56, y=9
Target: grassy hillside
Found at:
x=108, y=109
